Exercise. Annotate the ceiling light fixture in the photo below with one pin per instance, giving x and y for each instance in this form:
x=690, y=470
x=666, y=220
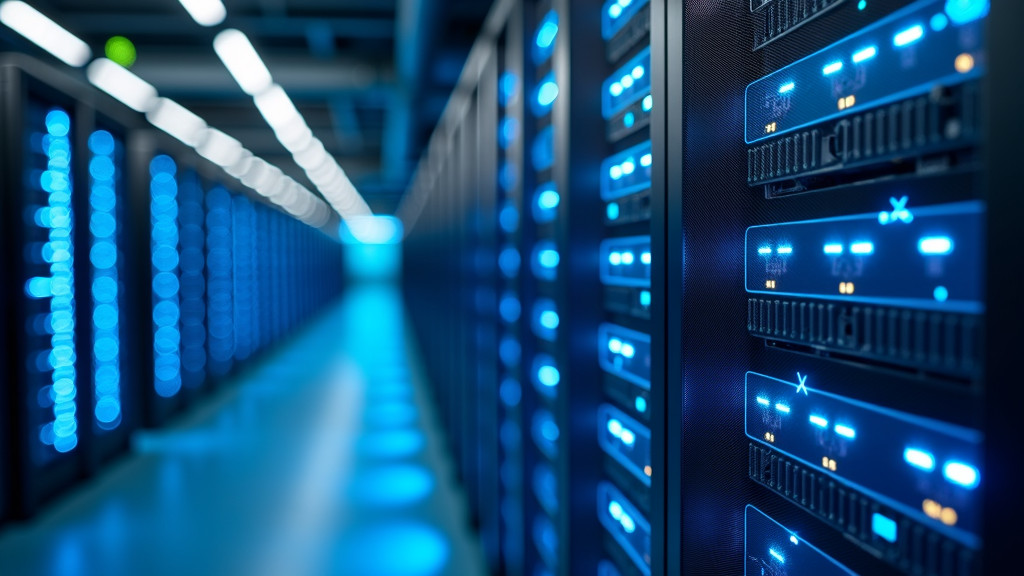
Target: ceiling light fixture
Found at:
x=45, y=33
x=240, y=58
x=205, y=12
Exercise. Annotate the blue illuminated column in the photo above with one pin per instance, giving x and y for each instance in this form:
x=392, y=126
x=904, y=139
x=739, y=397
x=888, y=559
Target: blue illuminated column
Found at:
x=163, y=189
x=193, y=282
x=54, y=328
x=242, y=249
x=220, y=323
x=105, y=257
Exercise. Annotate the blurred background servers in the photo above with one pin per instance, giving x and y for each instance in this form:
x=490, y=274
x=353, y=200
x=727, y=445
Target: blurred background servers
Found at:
x=523, y=287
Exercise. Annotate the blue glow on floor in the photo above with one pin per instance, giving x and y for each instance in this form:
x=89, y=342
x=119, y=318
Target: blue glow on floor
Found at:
x=386, y=486
x=393, y=549
x=392, y=444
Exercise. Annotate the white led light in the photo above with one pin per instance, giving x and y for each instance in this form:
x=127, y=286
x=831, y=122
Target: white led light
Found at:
x=277, y=108
x=45, y=33
x=129, y=89
x=205, y=12
x=240, y=58
x=221, y=149
x=178, y=121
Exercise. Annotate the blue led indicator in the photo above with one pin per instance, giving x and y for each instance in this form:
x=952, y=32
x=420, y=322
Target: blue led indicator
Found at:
x=548, y=375
x=787, y=87
x=164, y=238
x=548, y=199
x=548, y=258
x=784, y=250
x=845, y=431
x=549, y=319
x=935, y=245
x=777, y=556
x=941, y=293
x=920, y=459
x=908, y=36
x=648, y=103
x=614, y=11
x=614, y=427
x=862, y=248
x=883, y=527
x=627, y=258
x=628, y=350
x=628, y=120
x=509, y=308
x=764, y=250
x=862, y=4
x=547, y=32
x=615, y=510
x=645, y=258
x=864, y=54
x=793, y=539
x=832, y=68
x=833, y=249
x=612, y=211
x=763, y=401
x=782, y=408
x=614, y=345
x=641, y=404
x=547, y=93
x=615, y=89
x=615, y=258
x=961, y=474
x=645, y=298
x=818, y=421
x=939, y=22
x=645, y=160
x=964, y=11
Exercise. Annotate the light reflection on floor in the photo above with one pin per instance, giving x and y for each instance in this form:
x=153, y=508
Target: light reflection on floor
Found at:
x=324, y=459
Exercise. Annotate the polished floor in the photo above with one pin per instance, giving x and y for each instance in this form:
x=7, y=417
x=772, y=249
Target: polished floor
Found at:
x=325, y=458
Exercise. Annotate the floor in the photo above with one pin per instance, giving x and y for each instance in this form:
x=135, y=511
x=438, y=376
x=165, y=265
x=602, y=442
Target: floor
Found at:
x=326, y=458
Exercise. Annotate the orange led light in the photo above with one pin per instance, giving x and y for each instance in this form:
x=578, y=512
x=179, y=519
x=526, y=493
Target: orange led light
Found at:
x=964, y=63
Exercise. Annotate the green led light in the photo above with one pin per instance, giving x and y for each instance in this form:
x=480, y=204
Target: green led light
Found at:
x=120, y=50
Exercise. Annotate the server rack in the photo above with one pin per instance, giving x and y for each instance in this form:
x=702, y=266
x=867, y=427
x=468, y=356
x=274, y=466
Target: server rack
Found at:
x=67, y=410
x=838, y=428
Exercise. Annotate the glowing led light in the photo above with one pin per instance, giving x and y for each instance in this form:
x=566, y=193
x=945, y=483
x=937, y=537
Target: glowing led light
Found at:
x=627, y=258
x=645, y=160
x=919, y=459
x=548, y=258
x=908, y=36
x=628, y=350
x=120, y=50
x=964, y=11
x=612, y=211
x=845, y=431
x=784, y=250
x=763, y=401
x=964, y=63
x=787, y=87
x=627, y=437
x=626, y=81
x=764, y=250
x=862, y=4
x=615, y=172
x=640, y=404
x=205, y=12
x=645, y=258
x=638, y=72
x=793, y=539
x=832, y=68
x=547, y=93
x=549, y=319
x=864, y=54
x=628, y=167
x=647, y=103
x=614, y=11
x=165, y=284
x=883, y=527
x=777, y=556
x=615, y=509
x=782, y=408
x=818, y=421
x=833, y=249
x=615, y=258
x=645, y=298
x=614, y=345
x=941, y=293
x=628, y=120
x=961, y=474
x=548, y=199
x=939, y=22
x=45, y=33
x=614, y=427
x=547, y=32
x=627, y=523
x=615, y=89
x=935, y=245
x=548, y=375
x=242, y=61
x=862, y=248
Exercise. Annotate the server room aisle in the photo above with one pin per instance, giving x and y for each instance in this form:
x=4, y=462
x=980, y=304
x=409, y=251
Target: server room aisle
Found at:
x=324, y=459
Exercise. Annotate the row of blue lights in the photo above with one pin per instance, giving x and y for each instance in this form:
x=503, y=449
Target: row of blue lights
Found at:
x=626, y=81
x=545, y=203
x=616, y=15
x=544, y=39
x=628, y=258
x=243, y=278
x=628, y=166
x=219, y=284
x=954, y=471
x=57, y=218
x=621, y=347
x=959, y=11
x=621, y=516
x=927, y=246
x=166, y=284
x=628, y=119
x=103, y=225
x=191, y=217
